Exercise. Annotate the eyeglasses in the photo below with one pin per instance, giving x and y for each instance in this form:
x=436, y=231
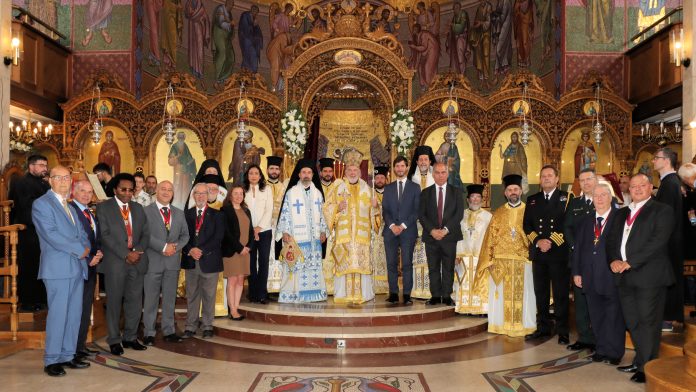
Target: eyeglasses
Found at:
x=39, y=164
x=129, y=190
x=200, y=193
x=61, y=178
x=656, y=157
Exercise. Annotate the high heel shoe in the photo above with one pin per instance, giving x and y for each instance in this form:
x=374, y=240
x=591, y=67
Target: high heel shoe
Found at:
x=240, y=318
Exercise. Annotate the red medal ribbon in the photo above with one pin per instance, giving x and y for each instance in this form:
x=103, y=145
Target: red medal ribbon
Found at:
x=166, y=217
x=125, y=214
x=598, y=229
x=630, y=219
x=199, y=221
x=89, y=218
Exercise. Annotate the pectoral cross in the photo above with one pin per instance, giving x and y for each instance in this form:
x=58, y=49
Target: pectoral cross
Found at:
x=297, y=205
x=513, y=233
x=318, y=204
x=596, y=241
x=471, y=230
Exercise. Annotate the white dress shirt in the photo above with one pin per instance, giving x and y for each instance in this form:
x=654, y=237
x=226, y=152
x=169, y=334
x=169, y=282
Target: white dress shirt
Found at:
x=261, y=206
x=400, y=183
x=120, y=207
x=627, y=229
x=159, y=209
x=550, y=194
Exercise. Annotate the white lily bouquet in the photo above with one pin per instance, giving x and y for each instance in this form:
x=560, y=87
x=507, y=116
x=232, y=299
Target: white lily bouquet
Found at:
x=402, y=130
x=294, y=130
x=19, y=146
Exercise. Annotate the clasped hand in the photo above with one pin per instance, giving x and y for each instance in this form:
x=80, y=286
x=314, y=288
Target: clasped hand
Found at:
x=196, y=253
x=133, y=257
x=438, y=234
x=170, y=249
x=544, y=245
x=96, y=258
x=619, y=266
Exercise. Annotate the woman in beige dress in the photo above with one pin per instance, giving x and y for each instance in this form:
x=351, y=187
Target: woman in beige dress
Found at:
x=236, y=247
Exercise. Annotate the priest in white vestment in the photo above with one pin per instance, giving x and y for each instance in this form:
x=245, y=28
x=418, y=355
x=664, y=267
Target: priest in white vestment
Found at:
x=474, y=225
x=350, y=218
x=504, y=271
x=301, y=219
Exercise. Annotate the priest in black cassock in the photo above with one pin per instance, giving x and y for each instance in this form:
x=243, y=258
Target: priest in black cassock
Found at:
x=23, y=191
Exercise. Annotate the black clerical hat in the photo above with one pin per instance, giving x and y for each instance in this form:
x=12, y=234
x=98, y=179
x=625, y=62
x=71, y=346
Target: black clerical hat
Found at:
x=512, y=179
x=326, y=162
x=383, y=170
x=474, y=188
x=274, y=161
x=209, y=179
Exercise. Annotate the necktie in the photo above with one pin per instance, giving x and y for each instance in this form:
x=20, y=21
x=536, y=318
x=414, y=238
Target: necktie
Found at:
x=547, y=197
x=89, y=218
x=67, y=211
x=439, y=207
x=125, y=213
x=589, y=203
x=165, y=215
x=599, y=221
x=401, y=189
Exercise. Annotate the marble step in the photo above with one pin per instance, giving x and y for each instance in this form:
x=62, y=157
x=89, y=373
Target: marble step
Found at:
x=9, y=348
x=430, y=332
x=376, y=313
x=669, y=375
x=672, y=345
x=690, y=354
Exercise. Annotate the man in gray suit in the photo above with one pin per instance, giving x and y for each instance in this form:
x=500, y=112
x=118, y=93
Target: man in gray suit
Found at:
x=168, y=235
x=125, y=236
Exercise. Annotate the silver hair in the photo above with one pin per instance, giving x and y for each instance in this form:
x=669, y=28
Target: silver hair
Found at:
x=687, y=170
x=81, y=183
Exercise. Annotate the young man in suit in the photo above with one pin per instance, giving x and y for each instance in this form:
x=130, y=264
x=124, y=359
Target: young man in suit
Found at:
x=440, y=212
x=669, y=192
x=168, y=235
x=125, y=237
x=202, y=260
x=399, y=212
x=543, y=225
x=595, y=280
x=638, y=255
x=82, y=196
x=64, y=247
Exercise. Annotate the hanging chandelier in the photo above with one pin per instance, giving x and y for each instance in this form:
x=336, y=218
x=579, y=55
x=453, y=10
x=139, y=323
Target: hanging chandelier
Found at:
x=242, y=114
x=452, y=129
x=23, y=134
x=597, y=128
x=663, y=137
x=526, y=127
x=96, y=127
x=169, y=116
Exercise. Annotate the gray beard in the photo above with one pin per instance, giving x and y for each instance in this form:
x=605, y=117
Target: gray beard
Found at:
x=474, y=208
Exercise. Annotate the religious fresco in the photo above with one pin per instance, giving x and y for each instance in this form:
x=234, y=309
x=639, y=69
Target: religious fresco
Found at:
x=178, y=162
x=465, y=151
x=113, y=148
x=359, y=129
x=580, y=152
x=237, y=154
x=101, y=24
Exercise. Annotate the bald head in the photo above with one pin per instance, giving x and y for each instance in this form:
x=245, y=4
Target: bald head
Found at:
x=60, y=180
x=165, y=192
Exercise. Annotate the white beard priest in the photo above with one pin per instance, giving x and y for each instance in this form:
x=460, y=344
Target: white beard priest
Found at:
x=504, y=271
x=474, y=226
x=350, y=217
x=301, y=220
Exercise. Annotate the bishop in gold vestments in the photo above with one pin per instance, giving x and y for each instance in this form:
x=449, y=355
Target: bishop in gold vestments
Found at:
x=350, y=217
x=504, y=271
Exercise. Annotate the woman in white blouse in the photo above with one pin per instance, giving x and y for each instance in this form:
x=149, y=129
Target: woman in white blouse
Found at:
x=259, y=198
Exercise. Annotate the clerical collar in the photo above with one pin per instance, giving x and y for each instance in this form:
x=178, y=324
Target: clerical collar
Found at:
x=273, y=181
x=380, y=191
x=307, y=189
x=353, y=183
x=326, y=183
x=515, y=205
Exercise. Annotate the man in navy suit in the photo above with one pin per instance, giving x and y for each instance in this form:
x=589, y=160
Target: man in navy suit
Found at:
x=64, y=247
x=82, y=196
x=592, y=275
x=441, y=212
x=400, y=212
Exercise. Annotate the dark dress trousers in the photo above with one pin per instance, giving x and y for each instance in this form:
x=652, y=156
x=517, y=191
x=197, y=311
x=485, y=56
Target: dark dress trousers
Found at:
x=397, y=211
x=670, y=193
x=589, y=261
x=543, y=219
x=441, y=254
x=643, y=288
x=90, y=283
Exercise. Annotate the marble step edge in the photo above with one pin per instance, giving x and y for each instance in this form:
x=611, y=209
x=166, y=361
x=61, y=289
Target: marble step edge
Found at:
x=690, y=329
x=690, y=355
x=426, y=328
x=330, y=310
x=668, y=375
x=672, y=345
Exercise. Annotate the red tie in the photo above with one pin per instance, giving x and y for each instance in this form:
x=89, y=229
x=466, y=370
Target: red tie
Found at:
x=129, y=231
x=439, y=207
x=89, y=218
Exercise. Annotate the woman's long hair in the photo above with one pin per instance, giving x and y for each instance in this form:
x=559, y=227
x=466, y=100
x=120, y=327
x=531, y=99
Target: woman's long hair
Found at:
x=228, y=199
x=262, y=179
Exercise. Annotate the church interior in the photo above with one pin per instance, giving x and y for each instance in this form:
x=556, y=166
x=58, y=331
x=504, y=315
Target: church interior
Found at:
x=502, y=86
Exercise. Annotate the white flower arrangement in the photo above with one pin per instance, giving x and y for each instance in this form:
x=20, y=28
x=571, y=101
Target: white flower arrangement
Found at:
x=294, y=131
x=402, y=130
x=19, y=146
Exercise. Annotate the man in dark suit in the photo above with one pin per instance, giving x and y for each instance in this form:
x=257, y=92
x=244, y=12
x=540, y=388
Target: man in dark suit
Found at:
x=168, y=235
x=202, y=260
x=596, y=281
x=23, y=191
x=64, y=248
x=82, y=196
x=400, y=212
x=637, y=252
x=440, y=213
x=125, y=237
x=669, y=192
x=543, y=225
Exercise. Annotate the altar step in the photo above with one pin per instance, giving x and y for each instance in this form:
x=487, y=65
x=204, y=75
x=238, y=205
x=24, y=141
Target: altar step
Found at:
x=675, y=370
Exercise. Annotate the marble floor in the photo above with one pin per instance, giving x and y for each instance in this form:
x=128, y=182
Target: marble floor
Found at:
x=383, y=354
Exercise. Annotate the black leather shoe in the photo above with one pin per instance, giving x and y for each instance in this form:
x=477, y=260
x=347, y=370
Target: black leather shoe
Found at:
x=577, y=346
x=149, y=340
x=394, y=298
x=263, y=301
x=448, y=301
x=116, y=349
x=612, y=361
x=628, y=368
x=173, y=338
x=207, y=334
x=134, y=345
x=76, y=364
x=598, y=357
x=188, y=334
x=536, y=335
x=88, y=352
x=639, y=378
x=54, y=370
x=407, y=299
x=563, y=339
x=84, y=354
x=433, y=301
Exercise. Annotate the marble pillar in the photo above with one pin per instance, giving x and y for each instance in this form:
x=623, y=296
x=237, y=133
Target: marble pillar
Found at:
x=5, y=74
x=689, y=85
